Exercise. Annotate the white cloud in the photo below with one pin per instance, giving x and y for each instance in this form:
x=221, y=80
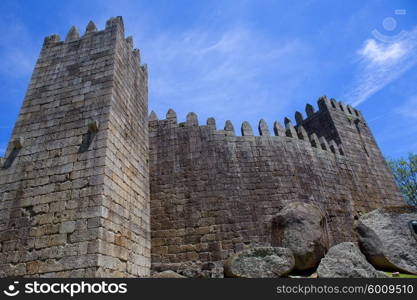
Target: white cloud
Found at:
x=380, y=53
x=381, y=63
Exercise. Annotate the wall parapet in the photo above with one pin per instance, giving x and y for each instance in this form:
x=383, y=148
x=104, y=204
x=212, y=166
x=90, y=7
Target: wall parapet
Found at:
x=290, y=131
x=91, y=30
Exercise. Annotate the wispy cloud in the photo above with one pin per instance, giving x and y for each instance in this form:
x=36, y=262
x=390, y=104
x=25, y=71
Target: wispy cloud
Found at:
x=380, y=63
x=229, y=70
x=220, y=70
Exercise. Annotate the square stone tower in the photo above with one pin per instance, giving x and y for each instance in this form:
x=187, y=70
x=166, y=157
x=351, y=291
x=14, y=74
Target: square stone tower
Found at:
x=348, y=128
x=74, y=184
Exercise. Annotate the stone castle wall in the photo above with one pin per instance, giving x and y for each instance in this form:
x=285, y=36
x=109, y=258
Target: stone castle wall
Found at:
x=90, y=186
x=214, y=193
x=74, y=187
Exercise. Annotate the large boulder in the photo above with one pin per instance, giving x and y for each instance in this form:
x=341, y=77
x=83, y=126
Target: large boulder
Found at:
x=260, y=262
x=345, y=260
x=388, y=239
x=301, y=227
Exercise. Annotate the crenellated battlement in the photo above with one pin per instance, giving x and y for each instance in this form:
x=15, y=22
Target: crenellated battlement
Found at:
x=314, y=138
x=297, y=133
x=324, y=105
x=73, y=36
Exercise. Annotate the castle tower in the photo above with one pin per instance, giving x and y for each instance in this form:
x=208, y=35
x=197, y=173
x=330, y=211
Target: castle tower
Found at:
x=74, y=184
x=347, y=127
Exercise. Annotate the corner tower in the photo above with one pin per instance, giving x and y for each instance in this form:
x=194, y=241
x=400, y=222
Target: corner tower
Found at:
x=74, y=184
x=368, y=168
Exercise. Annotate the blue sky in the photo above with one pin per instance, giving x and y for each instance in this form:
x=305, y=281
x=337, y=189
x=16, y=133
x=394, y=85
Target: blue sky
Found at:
x=242, y=60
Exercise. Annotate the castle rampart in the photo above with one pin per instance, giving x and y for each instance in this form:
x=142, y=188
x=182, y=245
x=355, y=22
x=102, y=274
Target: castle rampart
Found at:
x=214, y=193
x=90, y=186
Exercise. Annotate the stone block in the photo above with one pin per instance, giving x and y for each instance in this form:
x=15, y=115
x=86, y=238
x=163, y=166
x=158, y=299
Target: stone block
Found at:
x=67, y=227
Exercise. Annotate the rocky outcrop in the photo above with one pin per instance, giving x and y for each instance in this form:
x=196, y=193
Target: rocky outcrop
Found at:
x=260, y=262
x=300, y=227
x=387, y=238
x=345, y=260
x=167, y=274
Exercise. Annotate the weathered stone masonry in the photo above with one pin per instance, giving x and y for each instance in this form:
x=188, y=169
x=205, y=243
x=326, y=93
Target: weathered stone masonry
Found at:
x=214, y=193
x=86, y=176
x=75, y=198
